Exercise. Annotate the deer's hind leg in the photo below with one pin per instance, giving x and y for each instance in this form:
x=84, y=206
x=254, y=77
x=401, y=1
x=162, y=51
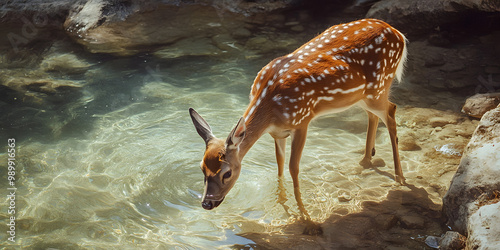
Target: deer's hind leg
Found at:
x=386, y=111
x=370, y=140
x=390, y=122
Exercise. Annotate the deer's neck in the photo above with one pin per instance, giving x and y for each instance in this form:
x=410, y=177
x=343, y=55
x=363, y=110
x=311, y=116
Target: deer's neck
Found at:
x=256, y=125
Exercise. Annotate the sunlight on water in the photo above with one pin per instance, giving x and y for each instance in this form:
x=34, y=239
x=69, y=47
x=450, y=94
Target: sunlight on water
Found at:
x=131, y=176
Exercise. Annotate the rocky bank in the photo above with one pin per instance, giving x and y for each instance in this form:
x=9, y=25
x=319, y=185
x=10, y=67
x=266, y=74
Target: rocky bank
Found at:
x=472, y=201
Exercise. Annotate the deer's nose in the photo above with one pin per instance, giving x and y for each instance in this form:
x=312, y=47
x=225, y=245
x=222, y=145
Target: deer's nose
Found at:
x=208, y=205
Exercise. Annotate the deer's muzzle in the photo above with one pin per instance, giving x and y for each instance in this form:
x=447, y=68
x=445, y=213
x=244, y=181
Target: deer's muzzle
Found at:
x=211, y=204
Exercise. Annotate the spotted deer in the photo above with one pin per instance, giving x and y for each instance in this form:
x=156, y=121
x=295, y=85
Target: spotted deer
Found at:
x=348, y=64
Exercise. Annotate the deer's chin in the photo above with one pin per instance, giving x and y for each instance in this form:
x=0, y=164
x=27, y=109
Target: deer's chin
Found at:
x=217, y=203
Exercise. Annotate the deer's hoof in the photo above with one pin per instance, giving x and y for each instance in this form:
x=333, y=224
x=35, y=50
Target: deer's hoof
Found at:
x=366, y=163
x=401, y=180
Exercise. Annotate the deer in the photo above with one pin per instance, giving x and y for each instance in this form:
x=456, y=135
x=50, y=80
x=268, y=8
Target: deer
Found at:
x=348, y=64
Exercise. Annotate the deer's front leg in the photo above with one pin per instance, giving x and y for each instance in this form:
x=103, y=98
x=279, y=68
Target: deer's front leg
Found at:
x=298, y=142
x=280, y=145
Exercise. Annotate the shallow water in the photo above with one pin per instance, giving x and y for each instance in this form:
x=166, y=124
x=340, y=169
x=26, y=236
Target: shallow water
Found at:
x=118, y=165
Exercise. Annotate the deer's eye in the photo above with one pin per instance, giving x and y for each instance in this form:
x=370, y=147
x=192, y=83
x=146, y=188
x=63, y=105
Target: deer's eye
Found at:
x=227, y=174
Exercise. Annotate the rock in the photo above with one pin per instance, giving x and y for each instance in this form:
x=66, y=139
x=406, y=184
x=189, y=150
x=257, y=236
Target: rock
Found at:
x=412, y=222
x=65, y=63
x=479, y=104
x=433, y=60
x=38, y=90
x=432, y=241
x=452, y=240
x=491, y=40
x=408, y=142
x=484, y=229
x=188, y=47
x=481, y=5
x=417, y=17
x=344, y=196
x=442, y=121
x=386, y=221
x=242, y=33
x=453, y=66
x=249, y=8
x=256, y=42
x=439, y=40
x=297, y=28
x=477, y=174
x=226, y=43
x=126, y=28
x=46, y=86
x=134, y=28
x=492, y=70
x=14, y=9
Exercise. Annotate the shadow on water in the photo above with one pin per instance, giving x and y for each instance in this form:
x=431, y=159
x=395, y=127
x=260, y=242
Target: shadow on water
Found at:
x=404, y=219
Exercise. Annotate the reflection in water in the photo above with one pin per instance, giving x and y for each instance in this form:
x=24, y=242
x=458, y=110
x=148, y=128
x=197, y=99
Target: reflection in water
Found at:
x=119, y=164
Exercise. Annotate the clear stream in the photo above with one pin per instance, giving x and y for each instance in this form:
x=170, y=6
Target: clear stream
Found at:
x=117, y=165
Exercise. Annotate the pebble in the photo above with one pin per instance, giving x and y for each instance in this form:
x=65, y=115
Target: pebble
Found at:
x=344, y=197
x=452, y=240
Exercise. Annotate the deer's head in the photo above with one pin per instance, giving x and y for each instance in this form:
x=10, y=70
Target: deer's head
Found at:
x=221, y=163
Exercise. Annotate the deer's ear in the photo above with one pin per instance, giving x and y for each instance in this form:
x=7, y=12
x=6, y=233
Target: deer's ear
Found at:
x=237, y=135
x=201, y=125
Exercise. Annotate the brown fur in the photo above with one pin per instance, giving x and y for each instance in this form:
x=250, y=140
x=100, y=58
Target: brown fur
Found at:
x=212, y=160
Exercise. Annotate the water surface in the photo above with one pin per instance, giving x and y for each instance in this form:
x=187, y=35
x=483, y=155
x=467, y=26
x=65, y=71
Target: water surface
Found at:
x=117, y=165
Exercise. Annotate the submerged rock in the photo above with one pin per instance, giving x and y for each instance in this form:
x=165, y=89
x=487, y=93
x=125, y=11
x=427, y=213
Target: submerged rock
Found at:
x=408, y=142
x=477, y=177
x=65, y=63
x=412, y=222
x=479, y=104
x=188, y=47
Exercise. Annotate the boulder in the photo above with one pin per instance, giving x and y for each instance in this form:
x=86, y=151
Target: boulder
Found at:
x=127, y=29
x=484, y=228
x=417, y=17
x=479, y=104
x=446, y=68
x=477, y=177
